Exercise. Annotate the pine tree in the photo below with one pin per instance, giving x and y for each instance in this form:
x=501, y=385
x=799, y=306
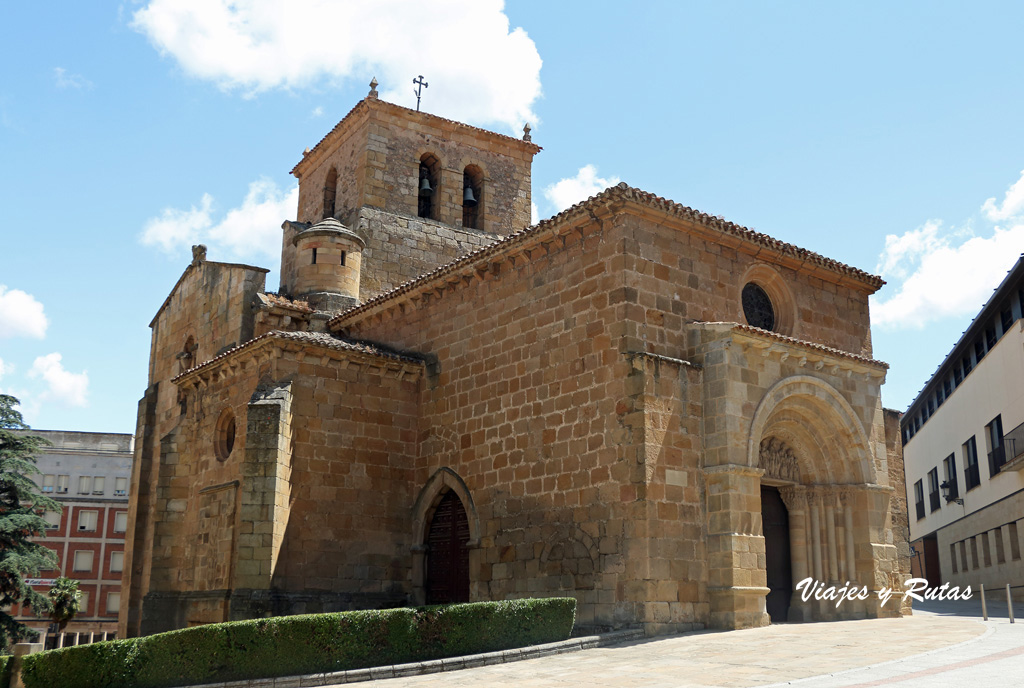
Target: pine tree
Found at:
x=21, y=508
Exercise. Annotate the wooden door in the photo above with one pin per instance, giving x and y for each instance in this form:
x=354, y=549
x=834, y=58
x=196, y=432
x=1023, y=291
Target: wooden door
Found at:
x=447, y=555
x=775, y=522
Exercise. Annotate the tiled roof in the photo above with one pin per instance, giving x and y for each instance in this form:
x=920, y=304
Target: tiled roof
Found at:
x=272, y=299
x=364, y=103
x=620, y=192
x=321, y=339
x=803, y=343
x=750, y=235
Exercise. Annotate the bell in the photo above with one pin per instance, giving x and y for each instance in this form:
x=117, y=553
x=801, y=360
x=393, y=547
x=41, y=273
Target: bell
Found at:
x=425, y=189
x=467, y=196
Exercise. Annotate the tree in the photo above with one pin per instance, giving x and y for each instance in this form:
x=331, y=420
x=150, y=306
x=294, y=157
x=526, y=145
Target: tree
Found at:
x=21, y=509
x=64, y=598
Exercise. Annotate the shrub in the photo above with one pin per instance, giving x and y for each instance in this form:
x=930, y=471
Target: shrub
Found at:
x=313, y=643
x=5, y=670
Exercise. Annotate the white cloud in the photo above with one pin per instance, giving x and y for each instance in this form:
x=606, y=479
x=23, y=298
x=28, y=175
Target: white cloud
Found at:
x=534, y=214
x=5, y=368
x=906, y=249
x=478, y=69
x=175, y=229
x=63, y=386
x=317, y=112
x=21, y=315
x=248, y=231
x=1013, y=203
x=953, y=273
x=254, y=228
x=63, y=79
x=572, y=190
x=939, y=277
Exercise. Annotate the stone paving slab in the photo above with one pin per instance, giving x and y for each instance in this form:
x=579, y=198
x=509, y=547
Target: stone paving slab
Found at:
x=734, y=659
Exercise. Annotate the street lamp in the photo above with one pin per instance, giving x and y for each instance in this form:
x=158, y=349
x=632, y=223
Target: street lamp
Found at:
x=945, y=494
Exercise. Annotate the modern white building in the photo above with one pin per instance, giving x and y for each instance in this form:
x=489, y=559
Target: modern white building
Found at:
x=963, y=445
x=89, y=474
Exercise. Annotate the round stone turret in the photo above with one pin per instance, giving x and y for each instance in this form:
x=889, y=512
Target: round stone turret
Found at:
x=328, y=256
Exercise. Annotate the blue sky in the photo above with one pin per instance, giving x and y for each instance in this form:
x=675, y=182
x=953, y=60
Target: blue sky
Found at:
x=884, y=135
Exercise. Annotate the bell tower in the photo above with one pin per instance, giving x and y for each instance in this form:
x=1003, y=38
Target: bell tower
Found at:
x=396, y=193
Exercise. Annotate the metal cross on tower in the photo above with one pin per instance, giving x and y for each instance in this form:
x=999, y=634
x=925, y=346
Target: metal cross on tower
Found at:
x=420, y=85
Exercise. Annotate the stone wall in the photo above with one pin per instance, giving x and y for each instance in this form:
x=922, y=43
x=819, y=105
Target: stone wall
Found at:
x=309, y=511
x=899, y=505
x=579, y=320
x=532, y=401
x=400, y=248
x=985, y=549
x=674, y=274
x=212, y=304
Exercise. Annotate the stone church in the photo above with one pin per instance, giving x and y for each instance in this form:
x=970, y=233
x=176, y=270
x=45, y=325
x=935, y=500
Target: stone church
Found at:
x=666, y=415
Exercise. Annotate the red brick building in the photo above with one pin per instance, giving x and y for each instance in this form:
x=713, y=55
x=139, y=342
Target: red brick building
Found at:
x=88, y=474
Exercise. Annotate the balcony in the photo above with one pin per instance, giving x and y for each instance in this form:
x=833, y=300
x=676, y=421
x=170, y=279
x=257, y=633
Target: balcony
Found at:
x=1013, y=448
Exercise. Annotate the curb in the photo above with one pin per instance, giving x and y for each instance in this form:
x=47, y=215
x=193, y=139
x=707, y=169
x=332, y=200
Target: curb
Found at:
x=435, y=665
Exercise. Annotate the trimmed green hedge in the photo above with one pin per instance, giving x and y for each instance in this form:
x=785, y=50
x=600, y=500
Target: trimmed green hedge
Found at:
x=312, y=643
x=5, y=670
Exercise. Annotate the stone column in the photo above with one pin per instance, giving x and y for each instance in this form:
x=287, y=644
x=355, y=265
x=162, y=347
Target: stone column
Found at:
x=815, y=498
x=851, y=554
x=795, y=498
x=21, y=650
x=737, y=580
x=830, y=531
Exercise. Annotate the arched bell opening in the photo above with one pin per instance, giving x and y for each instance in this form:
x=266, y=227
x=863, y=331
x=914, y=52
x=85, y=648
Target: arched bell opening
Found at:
x=428, y=186
x=472, y=197
x=330, y=193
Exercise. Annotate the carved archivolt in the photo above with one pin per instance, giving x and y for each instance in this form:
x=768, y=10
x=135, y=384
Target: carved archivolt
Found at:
x=777, y=460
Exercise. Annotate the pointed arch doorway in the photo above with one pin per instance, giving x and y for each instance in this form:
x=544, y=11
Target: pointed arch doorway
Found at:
x=447, y=561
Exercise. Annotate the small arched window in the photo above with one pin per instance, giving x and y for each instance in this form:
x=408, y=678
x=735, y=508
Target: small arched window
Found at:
x=224, y=440
x=472, y=197
x=330, y=193
x=187, y=356
x=427, y=185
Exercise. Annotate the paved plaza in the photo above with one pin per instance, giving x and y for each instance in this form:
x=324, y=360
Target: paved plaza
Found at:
x=942, y=644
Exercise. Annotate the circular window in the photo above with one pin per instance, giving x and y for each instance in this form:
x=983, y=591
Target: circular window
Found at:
x=225, y=437
x=757, y=307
